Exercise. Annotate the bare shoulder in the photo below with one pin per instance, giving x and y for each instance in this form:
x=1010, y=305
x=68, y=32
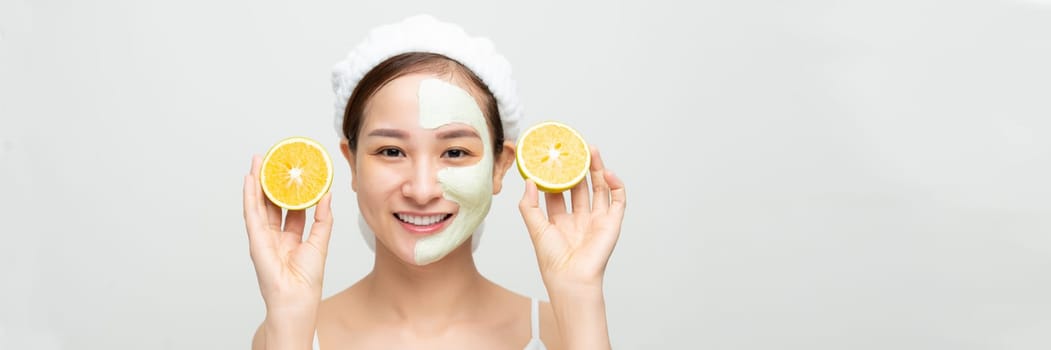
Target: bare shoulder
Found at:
x=549, y=332
x=259, y=339
x=331, y=308
x=333, y=320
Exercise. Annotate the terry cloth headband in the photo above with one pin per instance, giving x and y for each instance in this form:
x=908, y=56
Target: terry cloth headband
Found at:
x=423, y=33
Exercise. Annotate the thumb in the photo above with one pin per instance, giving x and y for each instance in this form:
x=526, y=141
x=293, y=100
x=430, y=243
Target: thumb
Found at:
x=321, y=229
x=529, y=206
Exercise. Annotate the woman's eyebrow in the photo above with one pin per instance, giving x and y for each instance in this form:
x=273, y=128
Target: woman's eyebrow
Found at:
x=452, y=134
x=398, y=134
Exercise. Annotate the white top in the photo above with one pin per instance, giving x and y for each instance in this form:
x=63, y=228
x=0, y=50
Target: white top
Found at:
x=534, y=342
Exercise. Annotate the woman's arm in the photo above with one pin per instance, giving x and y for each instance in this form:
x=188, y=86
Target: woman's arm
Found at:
x=572, y=249
x=581, y=317
x=289, y=269
x=289, y=336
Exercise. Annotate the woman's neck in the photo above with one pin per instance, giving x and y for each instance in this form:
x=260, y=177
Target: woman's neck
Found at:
x=446, y=290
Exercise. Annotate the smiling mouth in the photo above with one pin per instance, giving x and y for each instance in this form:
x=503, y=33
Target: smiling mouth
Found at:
x=422, y=220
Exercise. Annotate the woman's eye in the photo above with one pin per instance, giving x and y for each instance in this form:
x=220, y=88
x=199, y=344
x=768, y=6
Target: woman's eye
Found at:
x=390, y=152
x=455, y=153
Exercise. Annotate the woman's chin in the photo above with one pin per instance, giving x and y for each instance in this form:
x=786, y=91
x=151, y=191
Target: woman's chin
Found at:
x=406, y=250
x=407, y=253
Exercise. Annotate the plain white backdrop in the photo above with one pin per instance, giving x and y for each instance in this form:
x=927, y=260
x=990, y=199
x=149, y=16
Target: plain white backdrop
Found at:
x=801, y=174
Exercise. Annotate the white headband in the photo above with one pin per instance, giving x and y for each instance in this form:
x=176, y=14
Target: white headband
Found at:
x=423, y=33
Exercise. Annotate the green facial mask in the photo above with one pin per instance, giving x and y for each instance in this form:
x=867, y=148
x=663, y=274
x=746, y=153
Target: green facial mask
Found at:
x=471, y=187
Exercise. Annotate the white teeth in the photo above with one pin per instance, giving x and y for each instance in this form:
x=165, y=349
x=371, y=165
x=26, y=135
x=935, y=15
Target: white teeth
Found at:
x=421, y=220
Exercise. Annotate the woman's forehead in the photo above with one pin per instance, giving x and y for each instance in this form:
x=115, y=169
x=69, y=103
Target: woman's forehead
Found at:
x=401, y=95
x=398, y=100
x=397, y=105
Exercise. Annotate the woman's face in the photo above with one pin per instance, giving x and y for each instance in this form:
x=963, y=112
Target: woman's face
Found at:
x=424, y=167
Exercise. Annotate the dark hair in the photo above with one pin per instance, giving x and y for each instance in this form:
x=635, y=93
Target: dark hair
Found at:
x=410, y=63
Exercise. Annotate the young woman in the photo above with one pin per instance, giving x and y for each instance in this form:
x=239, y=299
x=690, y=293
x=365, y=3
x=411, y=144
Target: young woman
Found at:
x=427, y=127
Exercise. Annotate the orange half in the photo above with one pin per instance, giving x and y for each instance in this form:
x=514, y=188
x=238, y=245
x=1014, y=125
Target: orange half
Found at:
x=296, y=173
x=554, y=156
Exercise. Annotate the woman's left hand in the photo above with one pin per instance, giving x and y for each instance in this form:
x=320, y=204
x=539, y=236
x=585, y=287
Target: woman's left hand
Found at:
x=572, y=248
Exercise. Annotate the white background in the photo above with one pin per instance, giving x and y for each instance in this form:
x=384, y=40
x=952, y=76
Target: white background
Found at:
x=801, y=175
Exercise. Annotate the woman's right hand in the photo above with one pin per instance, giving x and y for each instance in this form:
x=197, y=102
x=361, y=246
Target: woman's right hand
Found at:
x=290, y=270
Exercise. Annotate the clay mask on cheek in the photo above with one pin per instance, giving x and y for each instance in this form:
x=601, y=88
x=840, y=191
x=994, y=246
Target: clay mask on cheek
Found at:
x=471, y=187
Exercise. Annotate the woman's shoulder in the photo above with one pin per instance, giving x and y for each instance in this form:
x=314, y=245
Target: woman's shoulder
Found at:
x=543, y=315
x=332, y=308
x=333, y=318
x=509, y=311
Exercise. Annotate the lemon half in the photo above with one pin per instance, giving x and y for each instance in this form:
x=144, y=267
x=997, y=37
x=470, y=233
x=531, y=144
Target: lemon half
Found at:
x=554, y=156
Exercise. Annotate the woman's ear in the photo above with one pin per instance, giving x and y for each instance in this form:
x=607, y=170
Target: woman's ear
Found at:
x=503, y=162
x=344, y=147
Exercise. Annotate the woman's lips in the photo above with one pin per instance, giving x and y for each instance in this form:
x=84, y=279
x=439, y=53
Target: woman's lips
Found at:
x=423, y=223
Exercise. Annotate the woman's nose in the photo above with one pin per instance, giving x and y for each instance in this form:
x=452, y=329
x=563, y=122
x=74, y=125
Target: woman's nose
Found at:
x=423, y=186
